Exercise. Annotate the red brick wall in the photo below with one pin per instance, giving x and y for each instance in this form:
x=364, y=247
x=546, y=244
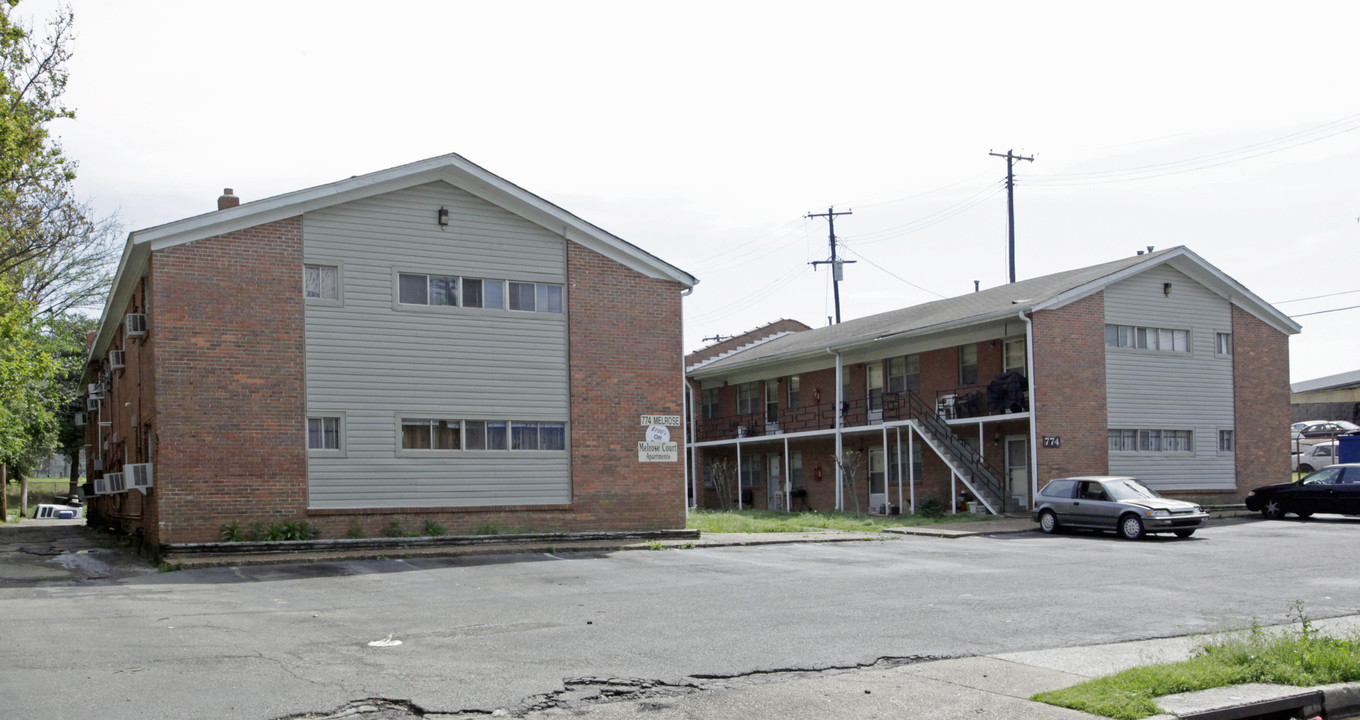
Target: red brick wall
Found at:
x=1260, y=401
x=1069, y=388
x=625, y=356
x=130, y=405
x=227, y=318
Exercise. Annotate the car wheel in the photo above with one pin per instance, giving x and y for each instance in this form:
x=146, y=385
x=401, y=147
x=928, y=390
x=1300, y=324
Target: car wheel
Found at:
x=1184, y=533
x=1130, y=527
x=1305, y=468
x=1048, y=522
x=1272, y=510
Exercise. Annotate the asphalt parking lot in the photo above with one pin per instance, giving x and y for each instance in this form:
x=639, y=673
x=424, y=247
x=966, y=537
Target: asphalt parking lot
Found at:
x=535, y=633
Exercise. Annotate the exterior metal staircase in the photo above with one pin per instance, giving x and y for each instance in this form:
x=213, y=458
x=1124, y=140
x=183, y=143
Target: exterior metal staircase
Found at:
x=961, y=458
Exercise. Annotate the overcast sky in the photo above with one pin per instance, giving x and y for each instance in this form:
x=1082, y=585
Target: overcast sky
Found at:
x=704, y=132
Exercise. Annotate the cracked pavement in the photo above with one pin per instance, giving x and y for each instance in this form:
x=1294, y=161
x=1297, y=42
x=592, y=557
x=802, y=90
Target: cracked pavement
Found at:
x=611, y=633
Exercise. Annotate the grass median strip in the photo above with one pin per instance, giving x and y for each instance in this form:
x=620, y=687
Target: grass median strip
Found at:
x=770, y=521
x=1301, y=657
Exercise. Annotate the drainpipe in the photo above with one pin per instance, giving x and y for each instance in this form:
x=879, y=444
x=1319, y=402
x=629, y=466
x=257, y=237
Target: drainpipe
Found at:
x=688, y=433
x=1033, y=412
x=840, y=480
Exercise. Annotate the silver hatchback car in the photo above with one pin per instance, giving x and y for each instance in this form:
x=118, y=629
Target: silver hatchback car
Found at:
x=1122, y=504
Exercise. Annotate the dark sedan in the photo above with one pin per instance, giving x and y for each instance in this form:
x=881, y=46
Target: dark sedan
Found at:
x=1122, y=504
x=1333, y=489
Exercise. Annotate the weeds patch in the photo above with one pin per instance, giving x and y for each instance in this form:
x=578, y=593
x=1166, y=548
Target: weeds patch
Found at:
x=1301, y=657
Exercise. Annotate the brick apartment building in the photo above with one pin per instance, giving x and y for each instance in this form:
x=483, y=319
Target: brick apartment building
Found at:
x=1158, y=366
x=424, y=343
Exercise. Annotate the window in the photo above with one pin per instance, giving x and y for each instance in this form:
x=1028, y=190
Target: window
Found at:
x=904, y=374
x=1223, y=343
x=796, y=468
x=535, y=297
x=431, y=435
x=795, y=396
x=1225, y=441
x=771, y=401
x=747, y=399
x=413, y=290
x=874, y=386
x=968, y=367
x=523, y=435
x=478, y=293
x=708, y=403
x=421, y=289
x=321, y=282
x=323, y=433
x=1144, y=338
x=1014, y=360
x=533, y=435
x=750, y=470
x=1150, y=440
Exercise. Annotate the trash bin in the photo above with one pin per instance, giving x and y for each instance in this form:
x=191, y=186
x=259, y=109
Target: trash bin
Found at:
x=1348, y=448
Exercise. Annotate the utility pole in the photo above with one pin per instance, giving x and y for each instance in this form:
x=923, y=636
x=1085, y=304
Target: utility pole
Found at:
x=1011, y=157
x=834, y=262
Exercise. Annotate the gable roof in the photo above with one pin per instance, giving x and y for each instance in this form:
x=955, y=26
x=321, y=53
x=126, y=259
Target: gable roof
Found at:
x=1041, y=293
x=452, y=168
x=748, y=339
x=1340, y=381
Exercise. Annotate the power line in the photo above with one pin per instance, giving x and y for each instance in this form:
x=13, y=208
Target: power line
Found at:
x=1322, y=312
x=1202, y=162
x=893, y=274
x=934, y=218
x=1316, y=297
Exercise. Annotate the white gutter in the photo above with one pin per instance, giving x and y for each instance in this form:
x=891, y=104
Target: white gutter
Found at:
x=1033, y=414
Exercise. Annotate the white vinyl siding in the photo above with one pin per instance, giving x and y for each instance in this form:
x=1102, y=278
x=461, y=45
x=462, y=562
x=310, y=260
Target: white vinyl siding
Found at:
x=1182, y=395
x=378, y=362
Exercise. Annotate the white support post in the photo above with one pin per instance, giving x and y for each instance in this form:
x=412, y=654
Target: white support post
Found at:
x=911, y=466
x=953, y=491
x=900, y=505
x=738, y=474
x=840, y=400
x=788, y=479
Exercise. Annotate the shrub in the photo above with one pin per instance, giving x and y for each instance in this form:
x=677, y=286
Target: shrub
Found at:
x=930, y=507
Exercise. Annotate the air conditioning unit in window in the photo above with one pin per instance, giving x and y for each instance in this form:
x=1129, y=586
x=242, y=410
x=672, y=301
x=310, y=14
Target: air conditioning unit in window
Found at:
x=80, y=419
x=117, y=484
x=101, y=486
x=139, y=476
x=134, y=325
x=92, y=404
x=116, y=359
x=96, y=390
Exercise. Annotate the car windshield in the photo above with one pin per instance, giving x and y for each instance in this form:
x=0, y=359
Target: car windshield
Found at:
x=1129, y=490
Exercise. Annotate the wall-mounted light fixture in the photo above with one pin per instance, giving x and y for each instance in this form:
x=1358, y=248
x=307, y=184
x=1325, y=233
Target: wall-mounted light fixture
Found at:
x=443, y=216
x=1166, y=289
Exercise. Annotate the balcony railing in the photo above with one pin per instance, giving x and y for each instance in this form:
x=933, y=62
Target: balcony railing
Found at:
x=949, y=405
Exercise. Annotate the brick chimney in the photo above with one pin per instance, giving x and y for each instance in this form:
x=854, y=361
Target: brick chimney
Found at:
x=227, y=200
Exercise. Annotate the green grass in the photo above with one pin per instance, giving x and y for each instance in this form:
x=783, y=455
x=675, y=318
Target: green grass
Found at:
x=40, y=490
x=770, y=521
x=1299, y=657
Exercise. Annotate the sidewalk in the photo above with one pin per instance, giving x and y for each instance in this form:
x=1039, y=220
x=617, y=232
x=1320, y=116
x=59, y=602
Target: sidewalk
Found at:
x=995, y=687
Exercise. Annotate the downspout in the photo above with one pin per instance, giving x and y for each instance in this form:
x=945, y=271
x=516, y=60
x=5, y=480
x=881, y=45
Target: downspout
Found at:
x=840, y=480
x=1033, y=412
x=691, y=489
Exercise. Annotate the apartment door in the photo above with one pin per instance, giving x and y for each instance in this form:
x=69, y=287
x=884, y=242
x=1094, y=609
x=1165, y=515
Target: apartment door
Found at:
x=874, y=392
x=774, y=483
x=1017, y=469
x=878, y=481
x=771, y=407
